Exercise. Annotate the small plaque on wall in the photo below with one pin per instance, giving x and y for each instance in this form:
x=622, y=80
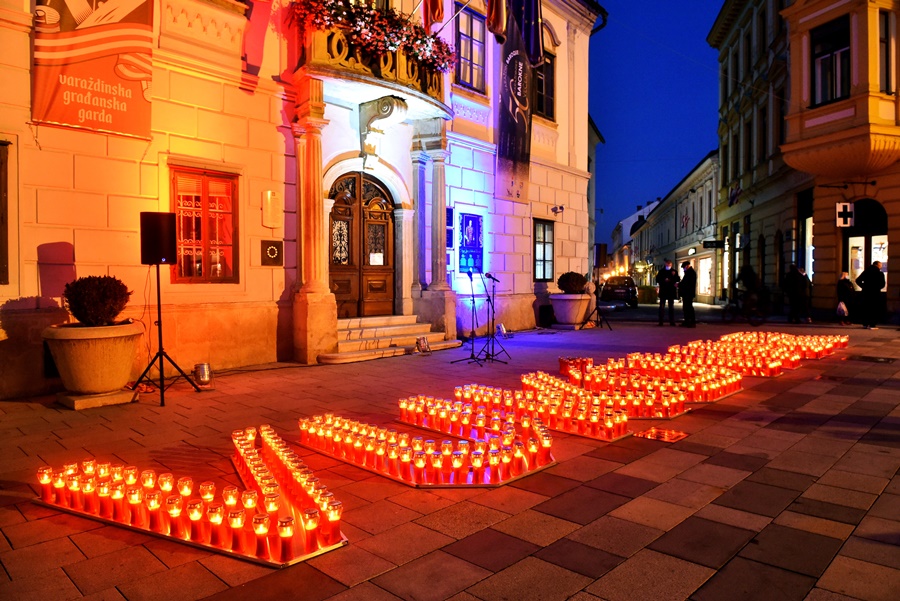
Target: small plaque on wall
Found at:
x=272, y=253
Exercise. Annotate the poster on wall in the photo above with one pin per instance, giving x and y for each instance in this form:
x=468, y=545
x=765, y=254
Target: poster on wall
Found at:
x=513, y=118
x=92, y=65
x=471, y=243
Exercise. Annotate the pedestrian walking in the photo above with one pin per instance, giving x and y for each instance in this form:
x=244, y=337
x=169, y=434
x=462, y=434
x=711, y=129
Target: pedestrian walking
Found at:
x=667, y=284
x=871, y=281
x=687, y=290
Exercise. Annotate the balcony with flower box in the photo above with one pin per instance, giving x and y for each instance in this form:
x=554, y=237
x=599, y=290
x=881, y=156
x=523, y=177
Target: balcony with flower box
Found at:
x=364, y=53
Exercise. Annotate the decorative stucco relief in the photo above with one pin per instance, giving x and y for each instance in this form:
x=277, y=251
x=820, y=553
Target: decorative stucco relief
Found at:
x=202, y=30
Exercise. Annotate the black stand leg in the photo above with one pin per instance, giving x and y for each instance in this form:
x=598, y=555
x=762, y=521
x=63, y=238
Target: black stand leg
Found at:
x=161, y=354
x=490, y=345
x=472, y=358
x=596, y=315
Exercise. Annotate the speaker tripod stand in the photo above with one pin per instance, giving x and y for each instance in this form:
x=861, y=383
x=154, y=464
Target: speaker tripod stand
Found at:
x=596, y=316
x=161, y=355
x=489, y=350
x=472, y=358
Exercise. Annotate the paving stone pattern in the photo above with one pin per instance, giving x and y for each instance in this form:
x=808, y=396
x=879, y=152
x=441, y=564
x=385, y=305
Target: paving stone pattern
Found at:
x=786, y=490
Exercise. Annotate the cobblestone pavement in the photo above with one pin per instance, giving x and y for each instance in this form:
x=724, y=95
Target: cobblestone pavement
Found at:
x=786, y=490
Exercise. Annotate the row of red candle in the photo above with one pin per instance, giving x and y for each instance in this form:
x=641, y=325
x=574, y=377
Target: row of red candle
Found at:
x=532, y=410
x=806, y=347
x=651, y=386
x=288, y=486
x=466, y=421
x=421, y=462
x=766, y=367
x=705, y=389
x=221, y=525
x=366, y=445
x=759, y=337
x=637, y=364
x=275, y=467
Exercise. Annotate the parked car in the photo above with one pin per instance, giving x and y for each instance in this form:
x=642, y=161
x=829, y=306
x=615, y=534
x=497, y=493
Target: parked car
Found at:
x=620, y=289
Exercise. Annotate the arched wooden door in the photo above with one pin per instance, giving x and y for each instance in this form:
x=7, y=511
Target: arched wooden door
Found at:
x=361, y=275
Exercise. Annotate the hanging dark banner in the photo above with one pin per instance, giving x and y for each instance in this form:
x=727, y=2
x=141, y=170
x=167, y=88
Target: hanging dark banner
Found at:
x=513, y=118
x=92, y=65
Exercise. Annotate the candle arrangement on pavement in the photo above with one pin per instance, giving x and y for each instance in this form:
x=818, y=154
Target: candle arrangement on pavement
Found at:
x=763, y=354
x=278, y=519
x=498, y=455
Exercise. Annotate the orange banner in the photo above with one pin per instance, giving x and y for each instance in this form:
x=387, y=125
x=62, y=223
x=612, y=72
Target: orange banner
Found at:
x=92, y=65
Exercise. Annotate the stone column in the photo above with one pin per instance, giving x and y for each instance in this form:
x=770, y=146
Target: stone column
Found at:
x=404, y=242
x=420, y=198
x=438, y=220
x=315, y=310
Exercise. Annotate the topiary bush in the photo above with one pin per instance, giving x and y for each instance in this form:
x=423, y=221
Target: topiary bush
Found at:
x=96, y=300
x=571, y=282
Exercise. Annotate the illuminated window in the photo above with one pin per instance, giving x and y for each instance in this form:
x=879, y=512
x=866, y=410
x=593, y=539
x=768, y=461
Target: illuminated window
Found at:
x=543, y=250
x=470, y=52
x=544, y=82
x=206, y=211
x=830, y=44
x=450, y=227
x=4, y=212
x=885, y=43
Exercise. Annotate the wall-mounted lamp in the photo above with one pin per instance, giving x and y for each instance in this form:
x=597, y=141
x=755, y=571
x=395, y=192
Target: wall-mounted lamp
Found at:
x=557, y=209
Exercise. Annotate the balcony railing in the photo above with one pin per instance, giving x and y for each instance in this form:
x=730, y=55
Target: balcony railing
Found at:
x=330, y=52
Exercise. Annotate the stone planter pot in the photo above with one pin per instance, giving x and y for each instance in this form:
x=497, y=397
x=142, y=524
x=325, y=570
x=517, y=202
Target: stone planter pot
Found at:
x=94, y=363
x=570, y=309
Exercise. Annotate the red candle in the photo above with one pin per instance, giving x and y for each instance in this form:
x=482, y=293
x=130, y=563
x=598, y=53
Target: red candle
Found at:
x=45, y=478
x=261, y=529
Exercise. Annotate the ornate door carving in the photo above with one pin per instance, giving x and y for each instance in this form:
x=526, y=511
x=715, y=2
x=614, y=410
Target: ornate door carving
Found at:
x=361, y=275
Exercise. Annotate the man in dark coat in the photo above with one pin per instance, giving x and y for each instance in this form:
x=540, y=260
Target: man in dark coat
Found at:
x=667, y=281
x=796, y=286
x=687, y=290
x=871, y=281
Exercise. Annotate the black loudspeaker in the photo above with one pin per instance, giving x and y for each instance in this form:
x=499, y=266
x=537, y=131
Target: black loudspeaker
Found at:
x=158, y=239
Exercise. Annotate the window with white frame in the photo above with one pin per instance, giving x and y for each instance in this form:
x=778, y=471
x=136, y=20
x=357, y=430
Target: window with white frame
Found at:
x=544, y=82
x=830, y=45
x=543, y=250
x=470, y=48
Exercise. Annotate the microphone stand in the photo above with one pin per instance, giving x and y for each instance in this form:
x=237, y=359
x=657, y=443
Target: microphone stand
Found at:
x=472, y=358
x=489, y=347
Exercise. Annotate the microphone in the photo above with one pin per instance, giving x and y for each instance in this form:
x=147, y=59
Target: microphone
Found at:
x=470, y=274
x=490, y=276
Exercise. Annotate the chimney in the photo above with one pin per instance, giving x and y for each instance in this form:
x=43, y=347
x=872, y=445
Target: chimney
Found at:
x=639, y=207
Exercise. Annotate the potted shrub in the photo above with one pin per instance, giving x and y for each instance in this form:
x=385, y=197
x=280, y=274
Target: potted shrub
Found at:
x=95, y=356
x=570, y=307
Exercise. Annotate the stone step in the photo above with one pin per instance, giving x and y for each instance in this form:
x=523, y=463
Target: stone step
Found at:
x=384, y=331
x=359, y=344
x=353, y=323
x=379, y=353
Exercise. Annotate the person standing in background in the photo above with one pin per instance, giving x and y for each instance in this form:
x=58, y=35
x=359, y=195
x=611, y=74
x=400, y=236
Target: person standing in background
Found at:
x=845, y=292
x=871, y=281
x=687, y=290
x=667, y=281
x=796, y=285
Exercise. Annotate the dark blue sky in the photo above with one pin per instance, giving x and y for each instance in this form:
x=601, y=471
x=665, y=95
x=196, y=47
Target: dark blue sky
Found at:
x=654, y=98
